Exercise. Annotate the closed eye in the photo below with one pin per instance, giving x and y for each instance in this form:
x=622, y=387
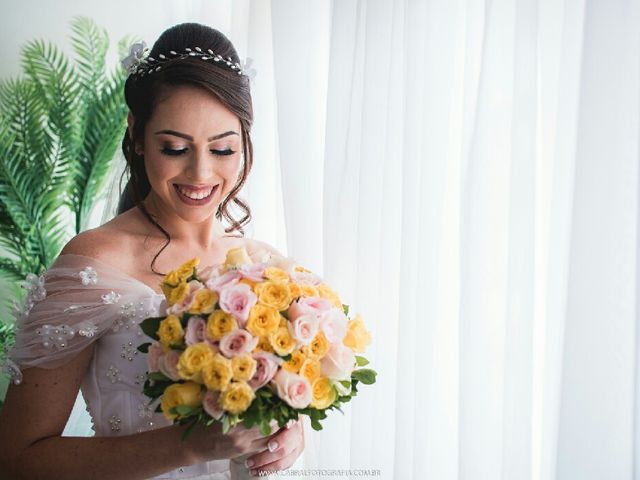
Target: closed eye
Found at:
x=173, y=153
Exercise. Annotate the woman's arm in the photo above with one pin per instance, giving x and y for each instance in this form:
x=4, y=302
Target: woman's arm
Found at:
x=36, y=411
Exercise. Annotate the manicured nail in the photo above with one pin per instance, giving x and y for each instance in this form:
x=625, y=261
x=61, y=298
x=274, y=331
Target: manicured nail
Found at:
x=249, y=463
x=272, y=445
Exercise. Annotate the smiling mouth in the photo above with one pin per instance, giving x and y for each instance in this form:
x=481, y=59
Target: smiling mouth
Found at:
x=199, y=194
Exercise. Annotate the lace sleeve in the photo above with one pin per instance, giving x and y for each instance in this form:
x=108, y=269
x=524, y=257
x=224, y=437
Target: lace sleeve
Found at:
x=66, y=308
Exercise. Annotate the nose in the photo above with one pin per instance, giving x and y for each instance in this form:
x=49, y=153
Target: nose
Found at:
x=200, y=166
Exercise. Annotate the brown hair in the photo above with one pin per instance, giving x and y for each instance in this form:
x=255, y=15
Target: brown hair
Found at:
x=143, y=93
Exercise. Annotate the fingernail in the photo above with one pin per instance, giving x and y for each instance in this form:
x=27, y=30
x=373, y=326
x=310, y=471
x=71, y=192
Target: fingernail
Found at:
x=272, y=445
x=249, y=463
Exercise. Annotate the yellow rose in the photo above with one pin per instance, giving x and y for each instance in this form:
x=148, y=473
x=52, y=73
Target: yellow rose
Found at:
x=204, y=301
x=171, y=279
x=310, y=369
x=276, y=274
x=274, y=294
x=218, y=373
x=282, y=341
x=300, y=268
x=264, y=344
x=170, y=331
x=252, y=285
x=323, y=393
x=237, y=397
x=193, y=360
x=189, y=394
x=244, y=367
x=318, y=347
x=178, y=294
x=235, y=257
x=357, y=337
x=295, y=362
x=219, y=324
x=262, y=320
x=186, y=269
x=308, y=291
x=295, y=290
x=325, y=291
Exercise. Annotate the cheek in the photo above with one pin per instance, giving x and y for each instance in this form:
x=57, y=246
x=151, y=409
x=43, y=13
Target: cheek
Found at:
x=230, y=170
x=159, y=170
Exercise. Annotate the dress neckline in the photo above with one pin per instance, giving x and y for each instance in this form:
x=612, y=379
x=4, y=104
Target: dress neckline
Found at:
x=113, y=269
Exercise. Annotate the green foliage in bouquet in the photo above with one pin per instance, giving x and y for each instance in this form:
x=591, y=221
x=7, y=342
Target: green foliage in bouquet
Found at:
x=61, y=124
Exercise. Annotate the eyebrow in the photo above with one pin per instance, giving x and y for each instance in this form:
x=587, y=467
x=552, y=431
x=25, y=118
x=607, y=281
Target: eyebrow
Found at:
x=190, y=138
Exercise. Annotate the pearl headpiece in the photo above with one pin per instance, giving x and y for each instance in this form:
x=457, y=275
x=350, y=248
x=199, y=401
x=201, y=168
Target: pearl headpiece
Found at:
x=139, y=63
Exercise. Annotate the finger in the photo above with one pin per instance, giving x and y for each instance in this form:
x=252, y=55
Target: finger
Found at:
x=279, y=445
x=280, y=464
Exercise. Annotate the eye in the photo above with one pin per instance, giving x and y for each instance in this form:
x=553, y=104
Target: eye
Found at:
x=173, y=153
x=228, y=151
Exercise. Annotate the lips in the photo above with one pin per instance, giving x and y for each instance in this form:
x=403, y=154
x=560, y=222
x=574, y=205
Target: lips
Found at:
x=195, y=194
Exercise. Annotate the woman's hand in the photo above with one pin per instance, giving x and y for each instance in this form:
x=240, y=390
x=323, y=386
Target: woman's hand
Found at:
x=209, y=443
x=284, y=447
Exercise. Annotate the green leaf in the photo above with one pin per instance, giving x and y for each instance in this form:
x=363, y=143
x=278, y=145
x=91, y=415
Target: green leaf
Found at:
x=184, y=410
x=144, y=348
x=345, y=309
x=365, y=375
x=150, y=326
x=158, y=376
x=189, y=430
x=225, y=423
x=361, y=361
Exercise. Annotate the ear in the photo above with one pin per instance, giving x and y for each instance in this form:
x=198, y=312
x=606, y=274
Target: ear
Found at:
x=130, y=123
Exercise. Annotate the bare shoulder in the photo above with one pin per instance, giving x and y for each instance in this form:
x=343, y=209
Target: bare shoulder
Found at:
x=102, y=243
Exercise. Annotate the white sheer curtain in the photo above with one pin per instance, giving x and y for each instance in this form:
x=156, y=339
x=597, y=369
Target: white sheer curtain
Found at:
x=479, y=196
x=465, y=173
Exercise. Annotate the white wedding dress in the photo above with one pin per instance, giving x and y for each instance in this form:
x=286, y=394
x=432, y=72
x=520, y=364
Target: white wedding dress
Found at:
x=80, y=300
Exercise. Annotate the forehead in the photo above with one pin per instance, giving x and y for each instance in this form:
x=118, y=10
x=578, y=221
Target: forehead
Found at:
x=194, y=111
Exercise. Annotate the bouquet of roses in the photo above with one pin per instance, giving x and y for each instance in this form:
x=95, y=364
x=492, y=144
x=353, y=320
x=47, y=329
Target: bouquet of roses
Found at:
x=252, y=342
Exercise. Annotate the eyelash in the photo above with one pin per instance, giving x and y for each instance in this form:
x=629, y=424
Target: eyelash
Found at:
x=174, y=153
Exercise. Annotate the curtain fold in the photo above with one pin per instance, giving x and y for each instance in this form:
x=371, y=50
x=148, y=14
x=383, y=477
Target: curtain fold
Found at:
x=465, y=174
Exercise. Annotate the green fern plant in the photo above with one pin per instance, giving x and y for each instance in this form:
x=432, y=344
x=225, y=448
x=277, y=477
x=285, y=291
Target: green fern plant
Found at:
x=60, y=127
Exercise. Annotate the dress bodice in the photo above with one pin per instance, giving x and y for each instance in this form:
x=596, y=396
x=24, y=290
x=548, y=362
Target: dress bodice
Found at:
x=80, y=300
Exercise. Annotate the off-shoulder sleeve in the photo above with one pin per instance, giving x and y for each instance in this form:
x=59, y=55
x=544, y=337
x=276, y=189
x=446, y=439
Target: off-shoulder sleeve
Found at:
x=66, y=308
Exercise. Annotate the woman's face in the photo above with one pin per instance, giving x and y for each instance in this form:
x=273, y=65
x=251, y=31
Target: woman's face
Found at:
x=192, y=153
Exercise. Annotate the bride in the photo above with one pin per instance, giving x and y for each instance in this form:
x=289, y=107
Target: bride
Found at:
x=188, y=151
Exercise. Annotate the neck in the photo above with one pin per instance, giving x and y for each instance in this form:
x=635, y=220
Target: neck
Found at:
x=204, y=235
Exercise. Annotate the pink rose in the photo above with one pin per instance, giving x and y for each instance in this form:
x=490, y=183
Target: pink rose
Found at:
x=195, y=331
x=334, y=325
x=181, y=307
x=211, y=405
x=168, y=364
x=208, y=273
x=237, y=300
x=237, y=342
x=304, y=305
x=220, y=282
x=292, y=388
x=338, y=363
x=306, y=278
x=253, y=271
x=153, y=356
x=287, y=264
x=266, y=367
x=304, y=328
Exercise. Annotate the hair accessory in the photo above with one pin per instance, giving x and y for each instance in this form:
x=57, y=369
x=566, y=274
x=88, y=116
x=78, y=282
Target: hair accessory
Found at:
x=139, y=63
